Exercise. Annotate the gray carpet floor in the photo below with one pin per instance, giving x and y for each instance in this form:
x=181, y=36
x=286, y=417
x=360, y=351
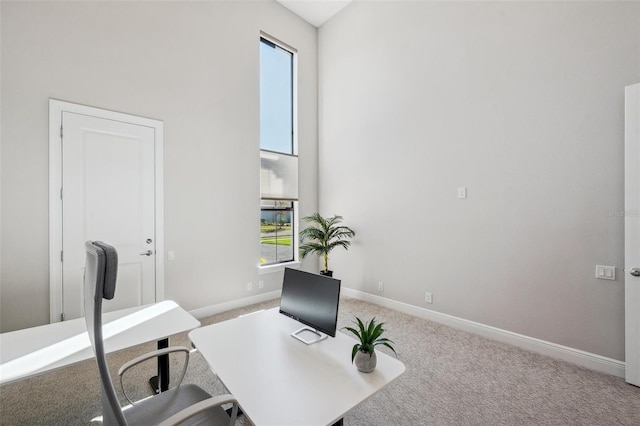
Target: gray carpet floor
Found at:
x=452, y=378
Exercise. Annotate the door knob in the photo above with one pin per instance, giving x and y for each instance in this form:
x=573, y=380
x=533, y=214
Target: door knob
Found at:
x=147, y=253
x=635, y=272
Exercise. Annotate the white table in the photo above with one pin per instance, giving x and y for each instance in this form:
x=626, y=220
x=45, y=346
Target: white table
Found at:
x=24, y=353
x=278, y=380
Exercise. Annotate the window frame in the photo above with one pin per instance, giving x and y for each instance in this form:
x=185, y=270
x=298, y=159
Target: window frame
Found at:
x=295, y=238
x=291, y=208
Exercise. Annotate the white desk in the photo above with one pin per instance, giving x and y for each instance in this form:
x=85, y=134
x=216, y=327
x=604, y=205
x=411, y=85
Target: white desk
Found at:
x=280, y=381
x=35, y=350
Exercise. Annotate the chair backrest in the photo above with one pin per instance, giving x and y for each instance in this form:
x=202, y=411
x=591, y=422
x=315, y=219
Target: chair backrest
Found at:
x=100, y=274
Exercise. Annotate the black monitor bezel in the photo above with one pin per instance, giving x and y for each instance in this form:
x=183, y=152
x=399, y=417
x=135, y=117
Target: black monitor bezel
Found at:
x=328, y=332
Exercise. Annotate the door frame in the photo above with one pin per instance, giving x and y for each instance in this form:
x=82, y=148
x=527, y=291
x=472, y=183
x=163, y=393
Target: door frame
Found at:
x=632, y=228
x=56, y=108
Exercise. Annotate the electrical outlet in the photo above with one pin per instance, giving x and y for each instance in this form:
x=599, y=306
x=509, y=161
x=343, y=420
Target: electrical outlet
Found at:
x=381, y=286
x=249, y=286
x=428, y=297
x=260, y=284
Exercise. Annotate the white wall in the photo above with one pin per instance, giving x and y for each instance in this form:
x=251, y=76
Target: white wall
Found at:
x=520, y=102
x=193, y=65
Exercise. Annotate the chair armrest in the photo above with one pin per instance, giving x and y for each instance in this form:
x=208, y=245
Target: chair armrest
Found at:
x=149, y=355
x=194, y=409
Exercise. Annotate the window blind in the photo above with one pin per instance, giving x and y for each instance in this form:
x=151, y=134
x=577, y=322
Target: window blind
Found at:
x=278, y=176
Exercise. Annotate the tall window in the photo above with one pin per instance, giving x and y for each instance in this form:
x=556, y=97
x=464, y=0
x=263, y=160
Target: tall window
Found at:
x=278, y=160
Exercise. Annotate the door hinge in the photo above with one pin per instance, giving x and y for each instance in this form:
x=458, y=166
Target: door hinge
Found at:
x=61, y=193
x=61, y=256
x=62, y=316
x=61, y=131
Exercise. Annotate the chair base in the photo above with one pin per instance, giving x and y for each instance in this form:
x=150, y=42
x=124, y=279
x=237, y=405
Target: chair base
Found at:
x=153, y=410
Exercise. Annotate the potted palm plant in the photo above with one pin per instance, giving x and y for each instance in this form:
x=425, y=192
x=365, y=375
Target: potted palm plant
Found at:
x=370, y=336
x=322, y=236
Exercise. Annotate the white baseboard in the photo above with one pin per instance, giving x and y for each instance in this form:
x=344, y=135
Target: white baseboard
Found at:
x=576, y=356
x=234, y=304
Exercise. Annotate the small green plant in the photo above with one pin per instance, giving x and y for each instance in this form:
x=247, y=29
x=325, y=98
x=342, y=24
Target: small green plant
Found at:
x=369, y=335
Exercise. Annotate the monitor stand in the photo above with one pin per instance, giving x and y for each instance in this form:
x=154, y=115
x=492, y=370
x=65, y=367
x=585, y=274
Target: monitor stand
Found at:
x=307, y=330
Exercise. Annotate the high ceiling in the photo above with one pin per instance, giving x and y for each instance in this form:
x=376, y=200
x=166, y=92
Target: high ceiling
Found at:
x=316, y=12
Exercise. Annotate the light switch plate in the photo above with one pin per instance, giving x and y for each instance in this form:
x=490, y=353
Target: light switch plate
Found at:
x=606, y=272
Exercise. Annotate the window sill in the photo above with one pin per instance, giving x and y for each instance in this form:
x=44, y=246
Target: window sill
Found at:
x=277, y=268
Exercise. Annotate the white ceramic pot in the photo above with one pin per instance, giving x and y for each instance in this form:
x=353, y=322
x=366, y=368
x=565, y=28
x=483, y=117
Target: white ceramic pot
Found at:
x=365, y=362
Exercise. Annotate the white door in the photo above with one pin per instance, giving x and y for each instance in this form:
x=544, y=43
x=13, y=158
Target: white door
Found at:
x=108, y=178
x=632, y=234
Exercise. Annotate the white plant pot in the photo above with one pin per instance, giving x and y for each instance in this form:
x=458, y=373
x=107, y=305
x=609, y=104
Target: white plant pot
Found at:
x=365, y=362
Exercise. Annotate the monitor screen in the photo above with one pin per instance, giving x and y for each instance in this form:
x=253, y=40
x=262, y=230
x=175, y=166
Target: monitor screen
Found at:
x=311, y=299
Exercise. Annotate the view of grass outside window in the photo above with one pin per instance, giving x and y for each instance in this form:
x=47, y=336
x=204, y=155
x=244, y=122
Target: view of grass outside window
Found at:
x=278, y=236
x=276, y=233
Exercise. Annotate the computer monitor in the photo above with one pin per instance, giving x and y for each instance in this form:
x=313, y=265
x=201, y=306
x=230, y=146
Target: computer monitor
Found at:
x=311, y=299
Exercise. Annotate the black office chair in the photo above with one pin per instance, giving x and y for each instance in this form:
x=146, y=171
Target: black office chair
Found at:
x=185, y=404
